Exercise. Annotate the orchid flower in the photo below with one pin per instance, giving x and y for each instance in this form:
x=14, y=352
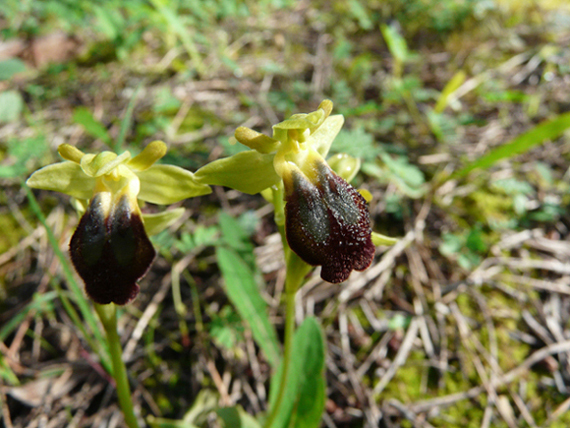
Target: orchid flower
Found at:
x=326, y=219
x=110, y=248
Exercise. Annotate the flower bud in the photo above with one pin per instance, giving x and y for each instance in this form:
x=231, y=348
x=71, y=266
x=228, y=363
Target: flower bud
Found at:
x=327, y=221
x=110, y=249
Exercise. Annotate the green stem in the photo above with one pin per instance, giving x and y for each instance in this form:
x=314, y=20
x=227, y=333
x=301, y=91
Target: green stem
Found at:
x=108, y=316
x=287, y=349
x=296, y=271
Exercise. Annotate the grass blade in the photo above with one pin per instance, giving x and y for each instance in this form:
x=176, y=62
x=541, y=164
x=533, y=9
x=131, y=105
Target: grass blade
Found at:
x=545, y=131
x=127, y=119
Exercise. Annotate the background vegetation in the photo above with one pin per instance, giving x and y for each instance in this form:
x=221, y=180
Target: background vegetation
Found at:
x=463, y=323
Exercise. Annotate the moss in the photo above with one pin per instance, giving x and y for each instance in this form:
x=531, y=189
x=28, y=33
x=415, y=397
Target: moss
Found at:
x=11, y=234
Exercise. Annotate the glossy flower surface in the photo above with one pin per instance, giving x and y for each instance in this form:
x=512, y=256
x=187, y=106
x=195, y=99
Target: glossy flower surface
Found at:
x=110, y=248
x=326, y=219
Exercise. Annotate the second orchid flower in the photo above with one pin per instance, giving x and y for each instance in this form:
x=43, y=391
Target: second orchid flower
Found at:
x=326, y=220
x=110, y=248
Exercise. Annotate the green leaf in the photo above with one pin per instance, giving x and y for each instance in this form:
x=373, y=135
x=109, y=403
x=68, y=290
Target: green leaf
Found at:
x=10, y=67
x=358, y=143
x=168, y=423
x=206, y=401
x=65, y=177
x=11, y=105
x=233, y=234
x=451, y=244
x=226, y=328
x=312, y=394
x=92, y=126
x=127, y=119
x=455, y=82
x=236, y=417
x=249, y=172
x=547, y=130
x=361, y=14
x=243, y=292
x=156, y=223
x=396, y=43
x=166, y=184
x=108, y=21
x=21, y=154
x=304, y=399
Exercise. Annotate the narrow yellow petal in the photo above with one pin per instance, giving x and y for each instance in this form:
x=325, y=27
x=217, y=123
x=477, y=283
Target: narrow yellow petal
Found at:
x=256, y=141
x=70, y=153
x=327, y=106
x=151, y=153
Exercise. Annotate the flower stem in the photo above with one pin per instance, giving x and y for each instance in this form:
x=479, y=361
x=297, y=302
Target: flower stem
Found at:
x=108, y=316
x=296, y=271
x=287, y=350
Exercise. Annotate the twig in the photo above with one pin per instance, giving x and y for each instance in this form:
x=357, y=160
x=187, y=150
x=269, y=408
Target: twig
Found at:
x=146, y=317
x=401, y=356
x=541, y=354
x=560, y=410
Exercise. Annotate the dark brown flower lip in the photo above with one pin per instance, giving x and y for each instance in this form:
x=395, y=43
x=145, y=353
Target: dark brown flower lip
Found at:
x=327, y=223
x=111, y=251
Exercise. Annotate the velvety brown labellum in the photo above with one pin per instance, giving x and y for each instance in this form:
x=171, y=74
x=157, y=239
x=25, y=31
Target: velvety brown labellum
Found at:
x=111, y=251
x=327, y=223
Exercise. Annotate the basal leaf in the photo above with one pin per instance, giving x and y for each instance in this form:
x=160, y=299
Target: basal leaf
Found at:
x=243, y=291
x=92, y=126
x=304, y=399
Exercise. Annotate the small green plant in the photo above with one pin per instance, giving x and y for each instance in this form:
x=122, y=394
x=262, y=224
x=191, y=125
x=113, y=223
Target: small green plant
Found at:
x=110, y=248
x=323, y=220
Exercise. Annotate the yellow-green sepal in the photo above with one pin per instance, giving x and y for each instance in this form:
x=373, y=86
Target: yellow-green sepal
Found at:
x=256, y=141
x=145, y=159
x=64, y=177
x=379, y=239
x=249, y=172
x=166, y=184
x=156, y=223
x=323, y=137
x=302, y=121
